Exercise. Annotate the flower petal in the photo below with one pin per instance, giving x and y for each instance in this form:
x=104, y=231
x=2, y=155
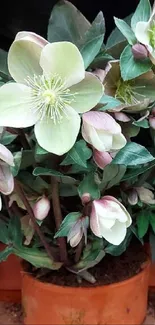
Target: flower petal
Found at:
x=16, y=109
x=113, y=199
x=6, y=179
x=87, y=93
x=116, y=234
x=119, y=141
x=23, y=58
x=141, y=32
x=6, y=155
x=94, y=222
x=30, y=36
x=65, y=60
x=101, y=121
x=102, y=159
x=91, y=136
x=0, y=203
x=60, y=137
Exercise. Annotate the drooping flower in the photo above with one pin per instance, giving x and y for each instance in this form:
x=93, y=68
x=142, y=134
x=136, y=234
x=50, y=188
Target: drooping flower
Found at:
x=51, y=89
x=134, y=94
x=6, y=177
x=41, y=208
x=77, y=231
x=102, y=131
x=102, y=158
x=145, y=34
x=109, y=219
x=145, y=195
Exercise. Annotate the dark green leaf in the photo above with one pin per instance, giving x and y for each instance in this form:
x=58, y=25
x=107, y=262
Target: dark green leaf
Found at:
x=66, y=190
x=112, y=175
x=27, y=159
x=131, y=68
x=88, y=185
x=67, y=224
x=3, y=63
x=116, y=36
x=93, y=40
x=4, y=235
x=5, y=253
x=133, y=154
x=152, y=220
x=14, y=230
x=8, y=138
x=133, y=172
x=109, y=103
x=79, y=154
x=17, y=162
x=142, y=13
x=143, y=124
x=51, y=172
x=142, y=223
x=40, y=153
x=66, y=23
x=125, y=30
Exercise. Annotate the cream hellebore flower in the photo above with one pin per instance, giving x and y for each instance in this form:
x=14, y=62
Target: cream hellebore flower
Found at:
x=145, y=34
x=6, y=177
x=134, y=94
x=109, y=219
x=51, y=89
x=102, y=131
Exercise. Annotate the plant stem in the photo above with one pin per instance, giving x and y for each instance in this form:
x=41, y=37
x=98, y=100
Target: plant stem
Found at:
x=58, y=219
x=23, y=139
x=21, y=194
x=79, y=251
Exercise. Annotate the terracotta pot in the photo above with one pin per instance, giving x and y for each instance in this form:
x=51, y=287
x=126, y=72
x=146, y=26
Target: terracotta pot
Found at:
x=10, y=278
x=121, y=303
x=152, y=268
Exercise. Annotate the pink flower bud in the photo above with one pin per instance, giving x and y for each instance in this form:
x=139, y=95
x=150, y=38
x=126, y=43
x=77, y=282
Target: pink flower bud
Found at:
x=139, y=51
x=86, y=198
x=153, y=111
x=122, y=117
x=102, y=159
x=145, y=195
x=41, y=208
x=152, y=122
x=132, y=197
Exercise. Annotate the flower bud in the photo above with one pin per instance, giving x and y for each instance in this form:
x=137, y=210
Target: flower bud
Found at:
x=85, y=198
x=152, y=122
x=122, y=117
x=146, y=196
x=41, y=208
x=102, y=159
x=139, y=51
x=132, y=197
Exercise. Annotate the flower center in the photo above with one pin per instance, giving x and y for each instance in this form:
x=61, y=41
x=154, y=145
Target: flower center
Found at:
x=151, y=32
x=125, y=92
x=50, y=97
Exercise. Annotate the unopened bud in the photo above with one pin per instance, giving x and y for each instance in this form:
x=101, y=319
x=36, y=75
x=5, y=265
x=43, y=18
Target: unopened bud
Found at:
x=41, y=208
x=122, y=117
x=132, y=197
x=152, y=122
x=145, y=195
x=102, y=159
x=139, y=51
x=86, y=198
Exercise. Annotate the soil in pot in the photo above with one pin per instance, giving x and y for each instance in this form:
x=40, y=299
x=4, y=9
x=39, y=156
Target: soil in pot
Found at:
x=121, y=302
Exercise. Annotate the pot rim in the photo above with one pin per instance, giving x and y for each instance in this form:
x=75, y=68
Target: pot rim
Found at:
x=145, y=265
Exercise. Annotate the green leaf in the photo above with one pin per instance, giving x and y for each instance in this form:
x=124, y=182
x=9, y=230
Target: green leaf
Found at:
x=116, y=36
x=109, y=103
x=17, y=162
x=67, y=23
x=14, y=230
x=77, y=169
x=112, y=175
x=125, y=30
x=119, y=249
x=79, y=154
x=40, y=153
x=133, y=172
x=88, y=185
x=142, y=13
x=142, y=223
x=5, y=253
x=3, y=63
x=8, y=138
x=131, y=68
x=133, y=154
x=27, y=159
x=67, y=224
x=66, y=190
x=51, y=172
x=152, y=220
x=37, y=258
x=4, y=234
x=143, y=124
x=93, y=40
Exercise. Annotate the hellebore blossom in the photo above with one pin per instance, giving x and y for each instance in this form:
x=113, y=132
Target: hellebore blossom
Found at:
x=41, y=208
x=6, y=177
x=101, y=131
x=134, y=94
x=101, y=158
x=145, y=195
x=145, y=34
x=109, y=219
x=77, y=231
x=51, y=89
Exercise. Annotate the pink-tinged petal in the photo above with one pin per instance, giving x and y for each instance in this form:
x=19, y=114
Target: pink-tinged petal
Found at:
x=91, y=135
x=139, y=51
x=6, y=155
x=85, y=198
x=0, y=203
x=6, y=179
x=75, y=234
x=132, y=197
x=30, y=36
x=41, y=208
x=122, y=117
x=100, y=74
x=152, y=122
x=113, y=199
x=94, y=223
x=102, y=159
x=74, y=241
x=101, y=121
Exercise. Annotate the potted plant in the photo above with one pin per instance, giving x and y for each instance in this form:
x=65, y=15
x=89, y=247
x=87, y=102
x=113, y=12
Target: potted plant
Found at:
x=80, y=148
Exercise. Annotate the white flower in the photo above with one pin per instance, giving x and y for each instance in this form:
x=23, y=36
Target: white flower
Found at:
x=51, y=89
x=109, y=219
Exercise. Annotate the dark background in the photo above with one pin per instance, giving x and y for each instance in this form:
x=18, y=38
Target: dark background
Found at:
x=33, y=15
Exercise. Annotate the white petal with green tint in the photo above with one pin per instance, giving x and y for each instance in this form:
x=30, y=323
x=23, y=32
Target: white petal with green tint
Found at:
x=119, y=141
x=23, y=59
x=87, y=93
x=30, y=36
x=65, y=60
x=141, y=32
x=60, y=137
x=16, y=107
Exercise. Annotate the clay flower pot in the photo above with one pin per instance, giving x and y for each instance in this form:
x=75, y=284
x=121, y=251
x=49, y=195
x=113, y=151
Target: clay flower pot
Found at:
x=10, y=278
x=152, y=268
x=120, y=303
